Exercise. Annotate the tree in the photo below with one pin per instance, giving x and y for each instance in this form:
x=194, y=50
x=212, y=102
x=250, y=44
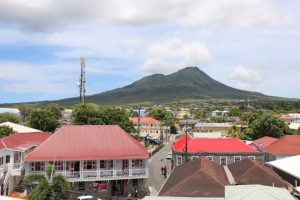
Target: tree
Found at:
x=25, y=111
x=117, y=116
x=9, y=117
x=5, y=131
x=267, y=125
x=160, y=114
x=43, y=119
x=84, y=114
x=54, y=108
x=94, y=115
x=49, y=186
x=235, y=112
x=234, y=132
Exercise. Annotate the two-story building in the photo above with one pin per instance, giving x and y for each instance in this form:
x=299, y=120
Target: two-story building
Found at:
x=13, y=150
x=149, y=126
x=223, y=151
x=102, y=160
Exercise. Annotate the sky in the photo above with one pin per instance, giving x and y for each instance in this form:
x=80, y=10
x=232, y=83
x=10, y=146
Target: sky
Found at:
x=247, y=44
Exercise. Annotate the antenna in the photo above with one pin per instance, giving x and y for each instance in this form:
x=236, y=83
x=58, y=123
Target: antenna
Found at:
x=82, y=80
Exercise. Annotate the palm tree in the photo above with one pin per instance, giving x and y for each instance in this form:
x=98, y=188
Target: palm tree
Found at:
x=234, y=132
x=44, y=187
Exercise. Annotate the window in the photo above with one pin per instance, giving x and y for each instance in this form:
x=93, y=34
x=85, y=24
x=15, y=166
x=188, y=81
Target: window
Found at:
x=137, y=163
x=89, y=164
x=70, y=166
x=1, y=160
x=223, y=160
x=58, y=165
x=125, y=164
x=210, y=158
x=237, y=158
x=251, y=157
x=102, y=164
x=37, y=166
x=7, y=160
x=194, y=157
x=110, y=164
x=179, y=160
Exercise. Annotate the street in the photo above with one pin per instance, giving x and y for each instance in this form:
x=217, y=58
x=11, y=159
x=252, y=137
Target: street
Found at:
x=156, y=179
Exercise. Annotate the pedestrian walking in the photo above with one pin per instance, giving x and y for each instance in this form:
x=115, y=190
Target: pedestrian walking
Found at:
x=165, y=173
x=162, y=170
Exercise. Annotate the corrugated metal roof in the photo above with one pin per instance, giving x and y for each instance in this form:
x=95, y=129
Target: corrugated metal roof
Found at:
x=228, y=145
x=289, y=165
x=286, y=145
x=248, y=171
x=89, y=142
x=146, y=120
x=20, y=128
x=197, y=178
x=265, y=141
x=256, y=192
x=22, y=141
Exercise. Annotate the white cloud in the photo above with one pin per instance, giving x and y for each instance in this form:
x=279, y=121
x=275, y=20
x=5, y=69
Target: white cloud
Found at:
x=48, y=15
x=173, y=54
x=48, y=79
x=245, y=78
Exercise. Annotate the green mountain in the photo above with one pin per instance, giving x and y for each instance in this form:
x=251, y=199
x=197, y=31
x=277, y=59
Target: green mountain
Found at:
x=188, y=83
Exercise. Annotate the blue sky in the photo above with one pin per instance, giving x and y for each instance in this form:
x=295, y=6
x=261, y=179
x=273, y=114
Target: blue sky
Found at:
x=249, y=44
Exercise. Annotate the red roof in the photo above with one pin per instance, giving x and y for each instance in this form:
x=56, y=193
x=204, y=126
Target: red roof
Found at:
x=265, y=141
x=286, y=116
x=228, y=145
x=89, y=142
x=286, y=145
x=22, y=141
x=145, y=120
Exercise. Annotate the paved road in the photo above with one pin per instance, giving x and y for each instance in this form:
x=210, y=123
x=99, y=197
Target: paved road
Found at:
x=156, y=179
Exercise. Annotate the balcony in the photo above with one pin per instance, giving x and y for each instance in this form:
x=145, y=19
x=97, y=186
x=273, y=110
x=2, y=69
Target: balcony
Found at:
x=102, y=174
x=15, y=169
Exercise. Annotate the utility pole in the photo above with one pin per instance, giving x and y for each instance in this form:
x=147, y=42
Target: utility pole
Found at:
x=186, y=141
x=82, y=81
x=139, y=121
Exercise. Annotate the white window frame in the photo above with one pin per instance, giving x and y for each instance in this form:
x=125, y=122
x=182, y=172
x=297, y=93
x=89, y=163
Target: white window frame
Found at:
x=211, y=158
x=194, y=157
x=221, y=159
x=234, y=157
x=178, y=161
x=253, y=157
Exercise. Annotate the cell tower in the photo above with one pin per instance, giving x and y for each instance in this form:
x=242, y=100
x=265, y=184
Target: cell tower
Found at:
x=82, y=80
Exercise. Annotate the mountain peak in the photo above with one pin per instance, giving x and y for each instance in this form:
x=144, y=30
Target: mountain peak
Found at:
x=187, y=83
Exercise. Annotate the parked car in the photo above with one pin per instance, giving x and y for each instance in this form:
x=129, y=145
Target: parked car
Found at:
x=152, y=140
x=169, y=156
x=87, y=197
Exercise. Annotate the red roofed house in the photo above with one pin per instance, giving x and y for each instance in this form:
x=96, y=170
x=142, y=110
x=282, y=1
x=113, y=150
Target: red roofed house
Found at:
x=288, y=145
x=13, y=150
x=150, y=126
x=102, y=160
x=261, y=143
x=222, y=151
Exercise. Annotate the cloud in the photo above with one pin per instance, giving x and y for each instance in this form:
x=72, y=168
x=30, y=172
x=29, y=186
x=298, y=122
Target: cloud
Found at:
x=50, y=15
x=173, y=54
x=245, y=78
x=21, y=78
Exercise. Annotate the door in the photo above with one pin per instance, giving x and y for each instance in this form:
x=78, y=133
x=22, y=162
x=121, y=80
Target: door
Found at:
x=77, y=166
x=116, y=186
